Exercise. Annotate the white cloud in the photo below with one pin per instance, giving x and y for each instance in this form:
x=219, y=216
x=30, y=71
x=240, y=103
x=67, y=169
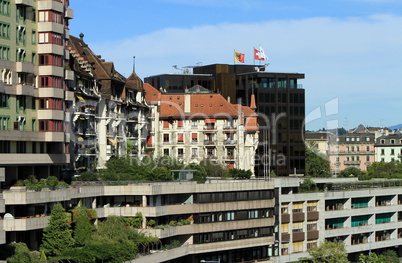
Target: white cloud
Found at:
x=344, y=58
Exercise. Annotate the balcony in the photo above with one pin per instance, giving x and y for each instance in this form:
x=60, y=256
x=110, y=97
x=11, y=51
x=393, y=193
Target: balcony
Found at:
x=25, y=223
x=229, y=142
x=209, y=142
x=69, y=74
x=21, y=196
x=351, y=162
x=50, y=27
x=51, y=5
x=28, y=158
x=24, y=67
x=69, y=13
x=24, y=2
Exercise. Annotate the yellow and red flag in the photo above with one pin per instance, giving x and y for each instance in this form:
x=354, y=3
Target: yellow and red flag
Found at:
x=239, y=57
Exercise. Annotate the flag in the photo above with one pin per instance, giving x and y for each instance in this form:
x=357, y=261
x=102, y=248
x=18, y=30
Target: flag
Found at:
x=262, y=54
x=239, y=57
x=257, y=55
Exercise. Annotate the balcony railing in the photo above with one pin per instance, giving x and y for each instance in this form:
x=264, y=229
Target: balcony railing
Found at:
x=230, y=142
x=209, y=142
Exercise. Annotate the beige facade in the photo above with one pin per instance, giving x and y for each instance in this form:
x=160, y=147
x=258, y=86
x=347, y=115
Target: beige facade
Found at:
x=192, y=127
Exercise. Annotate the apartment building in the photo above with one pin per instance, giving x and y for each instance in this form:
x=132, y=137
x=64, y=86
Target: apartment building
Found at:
x=230, y=220
x=352, y=150
x=319, y=141
x=365, y=216
x=33, y=88
x=199, y=124
x=109, y=110
x=388, y=148
x=280, y=105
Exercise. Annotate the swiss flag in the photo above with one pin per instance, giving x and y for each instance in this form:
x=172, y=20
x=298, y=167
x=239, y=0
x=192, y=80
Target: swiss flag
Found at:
x=257, y=55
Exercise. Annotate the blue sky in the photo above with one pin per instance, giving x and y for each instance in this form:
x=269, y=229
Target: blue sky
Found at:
x=349, y=50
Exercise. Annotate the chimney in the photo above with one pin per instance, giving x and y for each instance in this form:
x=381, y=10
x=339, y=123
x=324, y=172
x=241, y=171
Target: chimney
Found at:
x=187, y=103
x=252, y=102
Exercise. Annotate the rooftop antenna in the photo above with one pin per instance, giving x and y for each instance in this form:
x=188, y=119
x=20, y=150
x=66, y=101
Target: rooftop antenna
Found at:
x=133, y=64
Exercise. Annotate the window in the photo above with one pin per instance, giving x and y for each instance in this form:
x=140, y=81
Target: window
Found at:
x=4, y=30
x=51, y=60
x=166, y=137
x=21, y=35
x=50, y=38
x=312, y=206
x=180, y=137
x=5, y=147
x=21, y=102
x=392, y=141
x=21, y=147
x=253, y=214
x=4, y=123
x=33, y=59
x=4, y=53
x=285, y=208
x=166, y=124
x=311, y=225
x=179, y=123
x=21, y=55
x=49, y=103
x=5, y=7
x=392, y=152
x=50, y=126
x=21, y=12
x=297, y=227
x=194, y=123
x=166, y=152
x=50, y=81
x=297, y=246
x=230, y=216
x=297, y=207
x=382, y=152
x=194, y=152
x=180, y=152
x=50, y=16
x=367, y=148
x=4, y=100
x=194, y=137
x=33, y=39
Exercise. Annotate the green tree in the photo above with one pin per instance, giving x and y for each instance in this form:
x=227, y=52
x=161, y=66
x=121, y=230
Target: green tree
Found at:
x=83, y=229
x=214, y=169
x=57, y=236
x=200, y=174
x=22, y=254
x=385, y=170
x=240, y=173
x=351, y=172
x=308, y=185
x=328, y=252
x=317, y=164
x=388, y=256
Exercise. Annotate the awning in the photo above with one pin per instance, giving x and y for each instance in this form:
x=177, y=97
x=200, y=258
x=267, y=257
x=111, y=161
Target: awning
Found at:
x=80, y=98
x=149, y=141
x=180, y=137
x=112, y=141
x=210, y=120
